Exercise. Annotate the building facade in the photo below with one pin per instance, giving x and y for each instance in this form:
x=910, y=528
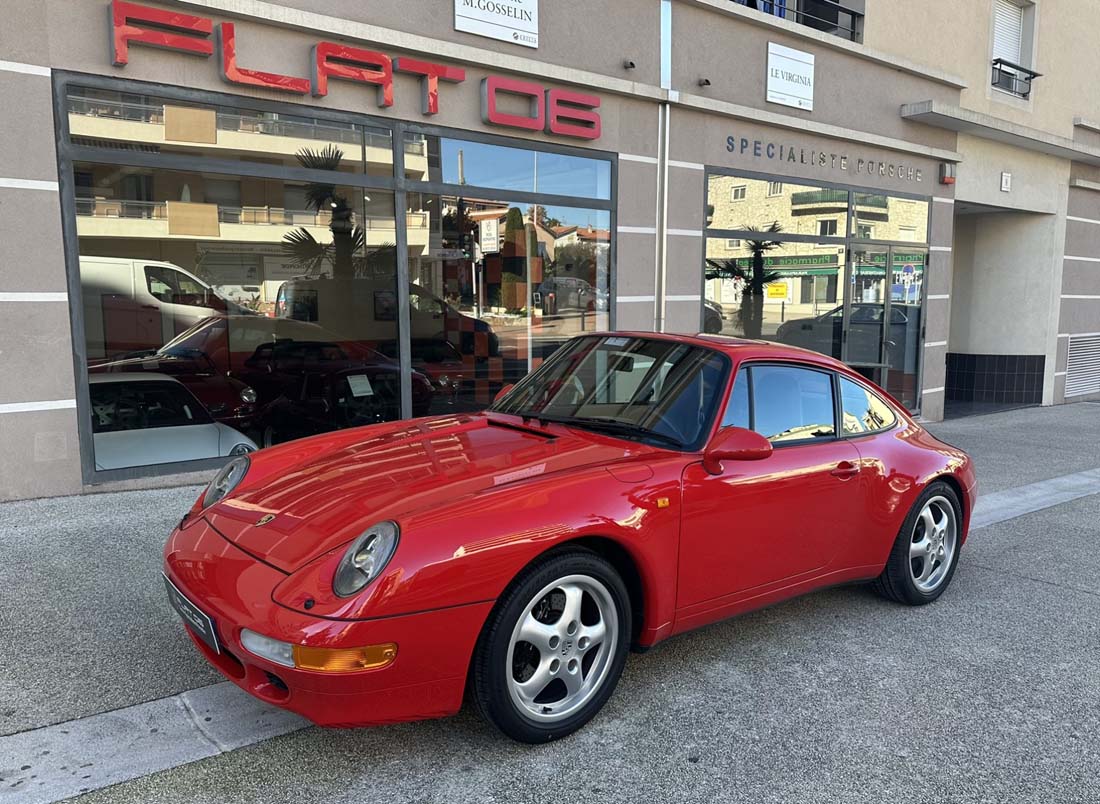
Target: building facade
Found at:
x=232, y=223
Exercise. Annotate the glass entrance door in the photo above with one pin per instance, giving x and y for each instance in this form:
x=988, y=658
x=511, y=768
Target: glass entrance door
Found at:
x=883, y=317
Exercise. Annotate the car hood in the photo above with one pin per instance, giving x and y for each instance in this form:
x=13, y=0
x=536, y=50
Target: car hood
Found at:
x=343, y=485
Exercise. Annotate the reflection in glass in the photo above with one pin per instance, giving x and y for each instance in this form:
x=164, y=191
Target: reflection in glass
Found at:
x=739, y=203
x=775, y=290
x=252, y=294
x=500, y=167
x=792, y=404
x=882, y=217
x=497, y=286
x=98, y=116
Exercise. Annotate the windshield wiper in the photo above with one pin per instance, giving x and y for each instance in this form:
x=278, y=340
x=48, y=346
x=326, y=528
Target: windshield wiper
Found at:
x=607, y=425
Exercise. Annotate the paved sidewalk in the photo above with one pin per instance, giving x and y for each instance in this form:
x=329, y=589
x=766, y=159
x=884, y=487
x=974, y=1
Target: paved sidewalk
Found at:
x=992, y=694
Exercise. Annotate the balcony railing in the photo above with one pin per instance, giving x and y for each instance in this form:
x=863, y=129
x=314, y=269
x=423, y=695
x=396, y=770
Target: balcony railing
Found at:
x=248, y=216
x=836, y=197
x=1013, y=78
x=348, y=134
x=823, y=15
x=116, y=208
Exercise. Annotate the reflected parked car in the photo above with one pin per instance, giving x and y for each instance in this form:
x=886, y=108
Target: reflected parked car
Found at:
x=253, y=369
x=634, y=487
x=823, y=333
x=713, y=317
x=366, y=310
x=149, y=418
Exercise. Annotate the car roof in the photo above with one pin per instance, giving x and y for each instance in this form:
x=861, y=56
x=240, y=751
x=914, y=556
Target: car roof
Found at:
x=130, y=376
x=740, y=348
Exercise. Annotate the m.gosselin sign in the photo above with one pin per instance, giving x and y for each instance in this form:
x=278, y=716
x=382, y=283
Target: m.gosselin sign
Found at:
x=824, y=160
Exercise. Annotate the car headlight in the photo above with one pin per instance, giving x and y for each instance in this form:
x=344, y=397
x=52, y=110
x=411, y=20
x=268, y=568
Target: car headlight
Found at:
x=248, y=395
x=365, y=558
x=227, y=479
x=241, y=449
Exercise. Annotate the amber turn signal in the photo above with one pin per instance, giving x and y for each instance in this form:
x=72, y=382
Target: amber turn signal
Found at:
x=344, y=660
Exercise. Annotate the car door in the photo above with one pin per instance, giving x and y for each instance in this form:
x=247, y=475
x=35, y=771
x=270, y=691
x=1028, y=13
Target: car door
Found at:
x=776, y=520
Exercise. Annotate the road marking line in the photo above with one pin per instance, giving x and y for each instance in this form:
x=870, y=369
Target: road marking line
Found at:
x=1001, y=506
x=67, y=759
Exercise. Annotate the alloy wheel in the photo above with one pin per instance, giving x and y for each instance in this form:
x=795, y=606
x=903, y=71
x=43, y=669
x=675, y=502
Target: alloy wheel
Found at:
x=933, y=544
x=562, y=648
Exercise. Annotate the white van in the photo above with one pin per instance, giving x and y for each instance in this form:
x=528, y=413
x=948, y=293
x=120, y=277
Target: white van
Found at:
x=136, y=305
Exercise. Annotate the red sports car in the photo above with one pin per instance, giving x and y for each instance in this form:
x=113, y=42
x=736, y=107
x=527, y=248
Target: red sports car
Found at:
x=634, y=487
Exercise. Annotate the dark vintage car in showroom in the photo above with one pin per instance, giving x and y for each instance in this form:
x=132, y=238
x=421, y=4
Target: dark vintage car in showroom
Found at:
x=280, y=378
x=633, y=487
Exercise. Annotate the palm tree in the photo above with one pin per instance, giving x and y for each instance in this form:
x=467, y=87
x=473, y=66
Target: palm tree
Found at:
x=306, y=252
x=754, y=277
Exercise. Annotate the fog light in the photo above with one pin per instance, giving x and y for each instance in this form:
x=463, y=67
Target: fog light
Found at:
x=344, y=660
x=267, y=648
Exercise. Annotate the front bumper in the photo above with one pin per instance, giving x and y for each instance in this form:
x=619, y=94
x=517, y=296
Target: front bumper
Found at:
x=425, y=680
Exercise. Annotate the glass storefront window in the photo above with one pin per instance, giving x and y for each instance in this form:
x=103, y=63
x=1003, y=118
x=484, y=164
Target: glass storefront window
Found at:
x=497, y=286
x=737, y=203
x=190, y=278
x=224, y=313
x=886, y=217
x=775, y=290
x=500, y=167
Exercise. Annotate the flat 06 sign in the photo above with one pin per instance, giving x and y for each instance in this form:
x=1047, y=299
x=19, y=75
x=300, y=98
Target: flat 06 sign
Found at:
x=507, y=102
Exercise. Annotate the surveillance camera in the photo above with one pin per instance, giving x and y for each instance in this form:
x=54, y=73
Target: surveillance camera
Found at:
x=628, y=65
x=704, y=82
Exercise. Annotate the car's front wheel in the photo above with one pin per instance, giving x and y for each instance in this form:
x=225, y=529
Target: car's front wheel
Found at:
x=926, y=551
x=554, y=647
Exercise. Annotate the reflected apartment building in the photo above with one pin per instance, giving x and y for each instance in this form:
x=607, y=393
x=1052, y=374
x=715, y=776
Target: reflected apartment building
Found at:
x=285, y=229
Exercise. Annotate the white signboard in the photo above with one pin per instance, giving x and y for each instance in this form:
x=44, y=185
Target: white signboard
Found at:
x=790, y=77
x=360, y=385
x=515, y=21
x=490, y=236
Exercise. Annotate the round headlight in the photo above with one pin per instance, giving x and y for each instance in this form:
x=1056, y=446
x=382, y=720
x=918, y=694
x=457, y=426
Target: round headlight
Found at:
x=227, y=479
x=248, y=395
x=365, y=558
x=241, y=449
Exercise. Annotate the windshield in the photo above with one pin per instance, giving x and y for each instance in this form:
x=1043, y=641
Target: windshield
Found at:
x=660, y=391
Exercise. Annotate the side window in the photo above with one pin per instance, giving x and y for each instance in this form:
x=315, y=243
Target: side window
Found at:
x=864, y=411
x=737, y=409
x=792, y=404
x=159, y=281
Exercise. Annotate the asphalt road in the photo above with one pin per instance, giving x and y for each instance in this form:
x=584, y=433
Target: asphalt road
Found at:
x=990, y=695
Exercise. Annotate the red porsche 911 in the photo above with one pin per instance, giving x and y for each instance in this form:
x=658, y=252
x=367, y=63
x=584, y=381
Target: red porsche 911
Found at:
x=635, y=486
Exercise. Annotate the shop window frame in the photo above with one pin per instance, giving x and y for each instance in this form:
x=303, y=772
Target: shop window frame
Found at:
x=68, y=154
x=848, y=238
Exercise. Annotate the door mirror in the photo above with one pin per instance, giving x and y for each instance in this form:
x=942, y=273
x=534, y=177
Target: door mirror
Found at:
x=735, y=444
x=503, y=391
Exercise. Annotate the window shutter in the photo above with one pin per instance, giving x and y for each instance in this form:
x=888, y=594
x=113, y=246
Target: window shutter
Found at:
x=1008, y=31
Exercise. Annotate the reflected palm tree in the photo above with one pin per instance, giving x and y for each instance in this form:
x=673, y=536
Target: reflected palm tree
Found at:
x=306, y=252
x=753, y=276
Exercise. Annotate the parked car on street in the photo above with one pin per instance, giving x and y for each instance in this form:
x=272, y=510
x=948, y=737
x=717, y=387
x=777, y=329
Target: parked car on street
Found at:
x=150, y=418
x=633, y=487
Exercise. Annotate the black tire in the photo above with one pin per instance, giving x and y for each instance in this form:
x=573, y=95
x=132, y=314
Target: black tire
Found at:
x=492, y=664
x=896, y=581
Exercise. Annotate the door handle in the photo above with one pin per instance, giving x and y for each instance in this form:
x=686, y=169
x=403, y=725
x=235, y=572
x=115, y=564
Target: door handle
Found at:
x=845, y=470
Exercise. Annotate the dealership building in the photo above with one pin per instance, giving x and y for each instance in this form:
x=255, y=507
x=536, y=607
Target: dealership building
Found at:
x=232, y=223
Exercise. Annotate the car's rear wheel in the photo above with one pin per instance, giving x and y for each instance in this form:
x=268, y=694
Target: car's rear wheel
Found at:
x=554, y=647
x=926, y=551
